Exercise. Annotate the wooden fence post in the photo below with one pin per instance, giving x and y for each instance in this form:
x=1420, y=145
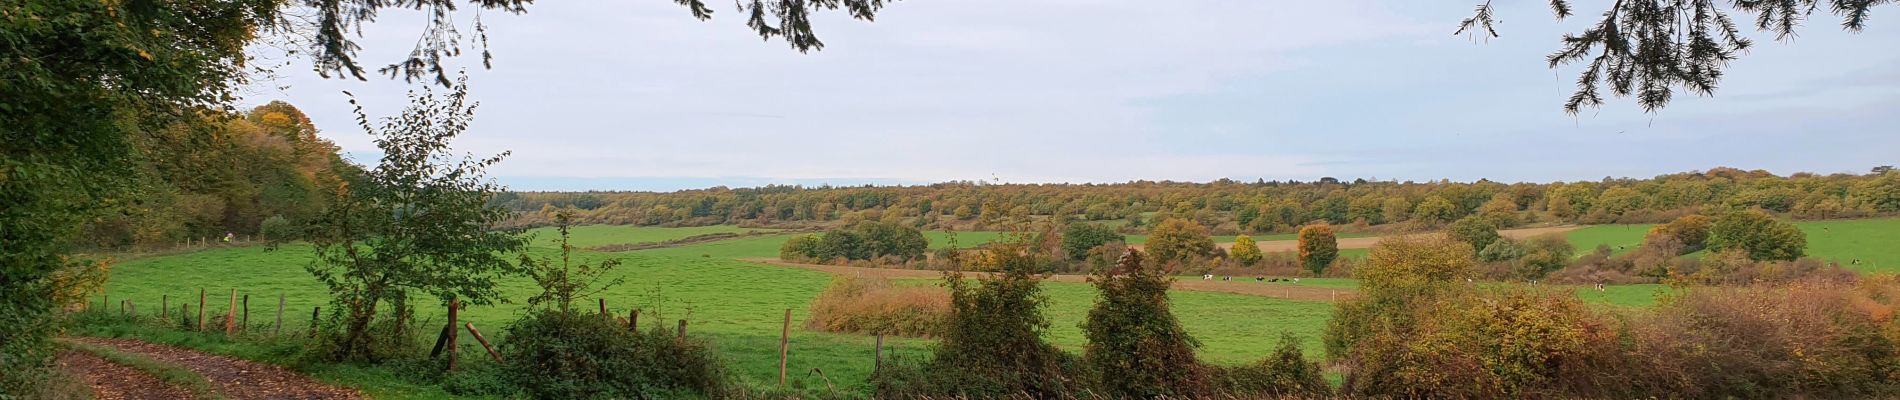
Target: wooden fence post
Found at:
x=164, y=306
x=633, y=320
x=313, y=320
x=603, y=308
x=682, y=331
x=484, y=341
x=877, y=356
x=245, y=323
x=122, y=308
x=453, y=305
x=201, y=309
x=230, y=315
x=279, y=330
x=105, y=302
x=784, y=346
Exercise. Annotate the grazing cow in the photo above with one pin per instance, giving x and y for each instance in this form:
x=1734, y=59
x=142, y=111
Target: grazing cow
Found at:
x=1296, y=280
x=1260, y=279
x=1856, y=261
x=1599, y=286
x=1226, y=278
x=1207, y=277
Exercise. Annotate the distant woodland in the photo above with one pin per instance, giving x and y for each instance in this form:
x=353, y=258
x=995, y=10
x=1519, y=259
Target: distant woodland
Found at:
x=1230, y=207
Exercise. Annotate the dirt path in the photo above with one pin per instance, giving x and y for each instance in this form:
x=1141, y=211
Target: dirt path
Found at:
x=1247, y=286
x=235, y=378
x=111, y=381
x=1367, y=242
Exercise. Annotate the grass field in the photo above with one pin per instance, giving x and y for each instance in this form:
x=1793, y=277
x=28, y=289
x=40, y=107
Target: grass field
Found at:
x=1875, y=242
x=737, y=305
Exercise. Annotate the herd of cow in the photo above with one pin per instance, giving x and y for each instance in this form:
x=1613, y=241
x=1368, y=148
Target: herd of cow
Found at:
x=1209, y=277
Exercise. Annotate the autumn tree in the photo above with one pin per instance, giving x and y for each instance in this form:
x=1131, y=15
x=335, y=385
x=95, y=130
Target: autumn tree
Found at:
x=1245, y=251
x=1475, y=230
x=1688, y=233
x=1435, y=210
x=1178, y=240
x=1762, y=236
x=418, y=222
x=1318, y=247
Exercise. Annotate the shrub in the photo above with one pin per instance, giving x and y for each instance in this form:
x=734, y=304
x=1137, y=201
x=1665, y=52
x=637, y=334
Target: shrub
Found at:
x=1078, y=238
x=566, y=354
x=1545, y=253
x=1318, y=247
x=277, y=228
x=992, y=343
x=1179, y=240
x=1135, y=343
x=1508, y=343
x=1284, y=374
x=1761, y=235
x=1477, y=231
x=873, y=306
x=1504, y=249
x=1690, y=232
x=1807, y=339
x=864, y=240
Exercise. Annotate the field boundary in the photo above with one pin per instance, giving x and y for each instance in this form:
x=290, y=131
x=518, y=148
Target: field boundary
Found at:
x=1248, y=286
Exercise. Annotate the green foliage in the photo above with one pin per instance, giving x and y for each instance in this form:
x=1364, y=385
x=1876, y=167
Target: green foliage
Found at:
x=1761, y=235
x=1135, y=343
x=561, y=284
x=79, y=78
x=411, y=224
x=865, y=240
x=1504, y=249
x=1318, y=247
x=276, y=228
x=566, y=354
x=1245, y=251
x=1435, y=210
x=1544, y=254
x=1179, y=240
x=1691, y=232
x=1475, y=230
x=1400, y=273
x=992, y=343
x=1081, y=237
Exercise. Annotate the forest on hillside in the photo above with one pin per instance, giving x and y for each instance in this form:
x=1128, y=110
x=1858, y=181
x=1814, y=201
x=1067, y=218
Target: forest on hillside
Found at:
x=1230, y=207
x=254, y=174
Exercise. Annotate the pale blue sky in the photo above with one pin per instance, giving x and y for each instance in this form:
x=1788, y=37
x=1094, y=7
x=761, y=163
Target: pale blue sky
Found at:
x=636, y=95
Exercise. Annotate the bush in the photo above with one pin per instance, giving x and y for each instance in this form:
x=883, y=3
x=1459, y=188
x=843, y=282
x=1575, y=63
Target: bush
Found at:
x=277, y=228
x=1284, y=374
x=1509, y=343
x=1477, y=231
x=873, y=306
x=561, y=354
x=864, y=240
x=1078, y=238
x=993, y=342
x=1761, y=235
x=1136, y=345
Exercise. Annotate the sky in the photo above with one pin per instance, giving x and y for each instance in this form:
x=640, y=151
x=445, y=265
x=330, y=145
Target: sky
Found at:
x=637, y=95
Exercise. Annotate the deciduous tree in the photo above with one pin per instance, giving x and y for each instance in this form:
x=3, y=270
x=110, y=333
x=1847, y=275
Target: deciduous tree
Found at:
x=1318, y=247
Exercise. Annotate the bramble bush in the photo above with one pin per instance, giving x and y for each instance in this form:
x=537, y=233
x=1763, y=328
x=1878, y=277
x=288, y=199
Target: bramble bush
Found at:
x=873, y=306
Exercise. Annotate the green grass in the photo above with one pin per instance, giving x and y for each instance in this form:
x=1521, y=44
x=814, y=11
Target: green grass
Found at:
x=1875, y=242
x=735, y=304
x=601, y=235
x=1620, y=238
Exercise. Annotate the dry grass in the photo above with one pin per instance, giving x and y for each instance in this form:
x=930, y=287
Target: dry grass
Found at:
x=872, y=305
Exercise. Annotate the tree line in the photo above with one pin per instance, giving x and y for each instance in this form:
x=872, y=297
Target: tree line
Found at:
x=1229, y=207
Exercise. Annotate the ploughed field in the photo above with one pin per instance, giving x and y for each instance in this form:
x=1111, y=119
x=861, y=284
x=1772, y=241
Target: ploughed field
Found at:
x=739, y=304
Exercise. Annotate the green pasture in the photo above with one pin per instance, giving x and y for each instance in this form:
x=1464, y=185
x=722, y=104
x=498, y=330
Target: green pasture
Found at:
x=735, y=304
x=1875, y=242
